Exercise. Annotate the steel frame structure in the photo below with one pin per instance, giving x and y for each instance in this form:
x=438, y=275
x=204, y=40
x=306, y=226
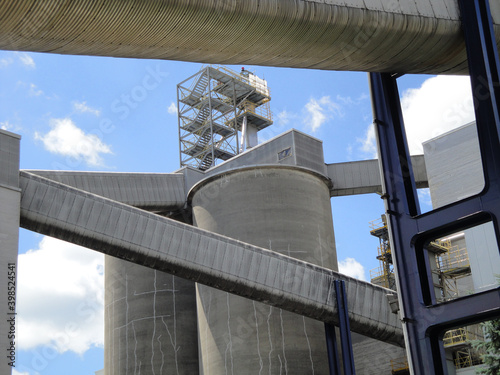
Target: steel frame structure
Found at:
x=344, y=333
x=424, y=319
x=211, y=105
x=205, y=132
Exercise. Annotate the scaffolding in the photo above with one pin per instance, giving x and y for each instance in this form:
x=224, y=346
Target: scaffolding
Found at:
x=459, y=341
x=462, y=336
x=450, y=263
x=213, y=106
x=384, y=274
x=400, y=366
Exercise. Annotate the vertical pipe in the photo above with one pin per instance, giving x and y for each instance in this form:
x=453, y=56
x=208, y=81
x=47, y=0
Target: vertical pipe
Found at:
x=235, y=108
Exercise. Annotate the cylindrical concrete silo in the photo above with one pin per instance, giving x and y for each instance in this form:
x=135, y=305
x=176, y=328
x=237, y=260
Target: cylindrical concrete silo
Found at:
x=285, y=209
x=150, y=320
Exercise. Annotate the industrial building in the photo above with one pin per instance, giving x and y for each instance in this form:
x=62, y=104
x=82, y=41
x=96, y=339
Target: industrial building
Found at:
x=258, y=197
x=166, y=232
x=254, y=196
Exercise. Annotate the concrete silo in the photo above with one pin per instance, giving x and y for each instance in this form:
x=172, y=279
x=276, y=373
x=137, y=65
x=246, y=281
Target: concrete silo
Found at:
x=287, y=210
x=150, y=321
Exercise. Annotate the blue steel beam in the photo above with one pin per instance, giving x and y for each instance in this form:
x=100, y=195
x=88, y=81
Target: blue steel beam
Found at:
x=345, y=331
x=424, y=320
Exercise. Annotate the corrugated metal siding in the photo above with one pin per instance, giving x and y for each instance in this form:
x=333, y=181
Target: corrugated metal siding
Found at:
x=455, y=172
x=435, y=8
x=454, y=166
x=309, y=152
x=305, y=151
x=265, y=153
x=152, y=191
x=495, y=11
x=406, y=36
x=482, y=247
x=131, y=234
x=363, y=177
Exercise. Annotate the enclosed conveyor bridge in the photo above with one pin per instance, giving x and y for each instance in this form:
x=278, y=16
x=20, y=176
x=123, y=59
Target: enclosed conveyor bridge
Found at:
x=404, y=36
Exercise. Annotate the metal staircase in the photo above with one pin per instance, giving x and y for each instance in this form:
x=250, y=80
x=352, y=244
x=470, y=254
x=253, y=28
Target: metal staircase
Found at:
x=196, y=92
x=212, y=104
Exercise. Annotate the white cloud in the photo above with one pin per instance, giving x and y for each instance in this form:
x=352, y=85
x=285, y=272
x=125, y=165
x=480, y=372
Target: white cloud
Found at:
x=60, y=300
x=283, y=118
x=440, y=104
x=351, y=267
x=369, y=143
x=5, y=62
x=67, y=139
x=6, y=125
x=348, y=101
x=172, y=109
x=424, y=197
x=281, y=123
x=15, y=372
x=82, y=107
x=26, y=60
x=319, y=111
x=34, y=91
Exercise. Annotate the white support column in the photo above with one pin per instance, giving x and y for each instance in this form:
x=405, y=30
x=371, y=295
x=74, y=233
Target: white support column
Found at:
x=10, y=197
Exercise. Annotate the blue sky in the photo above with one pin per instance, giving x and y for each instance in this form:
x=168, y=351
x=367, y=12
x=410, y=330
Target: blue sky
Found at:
x=96, y=113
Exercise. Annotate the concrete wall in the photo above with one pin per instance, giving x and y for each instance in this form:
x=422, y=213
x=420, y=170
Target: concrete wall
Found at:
x=10, y=196
x=285, y=210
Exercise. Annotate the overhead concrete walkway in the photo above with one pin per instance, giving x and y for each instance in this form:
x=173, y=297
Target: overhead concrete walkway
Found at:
x=157, y=192
x=404, y=36
x=122, y=231
x=363, y=177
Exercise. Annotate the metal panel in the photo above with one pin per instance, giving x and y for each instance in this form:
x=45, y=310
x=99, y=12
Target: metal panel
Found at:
x=449, y=158
x=309, y=152
x=495, y=11
x=165, y=257
x=305, y=151
x=149, y=191
x=481, y=244
x=363, y=177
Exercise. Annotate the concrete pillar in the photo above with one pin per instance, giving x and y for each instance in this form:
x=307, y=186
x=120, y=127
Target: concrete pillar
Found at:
x=10, y=197
x=284, y=209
